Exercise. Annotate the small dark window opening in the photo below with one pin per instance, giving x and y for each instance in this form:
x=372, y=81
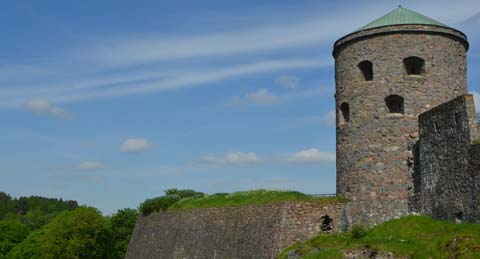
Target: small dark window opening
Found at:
x=414, y=65
x=457, y=118
x=435, y=126
x=459, y=216
x=395, y=104
x=345, y=109
x=367, y=70
x=327, y=223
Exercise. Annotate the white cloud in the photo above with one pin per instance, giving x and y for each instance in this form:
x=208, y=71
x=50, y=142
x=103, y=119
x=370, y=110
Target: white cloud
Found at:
x=45, y=108
x=261, y=96
x=135, y=145
x=311, y=156
x=233, y=158
x=288, y=81
x=476, y=97
x=330, y=118
x=90, y=166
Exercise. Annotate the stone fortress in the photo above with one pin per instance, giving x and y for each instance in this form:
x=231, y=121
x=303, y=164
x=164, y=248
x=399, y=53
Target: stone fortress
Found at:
x=407, y=143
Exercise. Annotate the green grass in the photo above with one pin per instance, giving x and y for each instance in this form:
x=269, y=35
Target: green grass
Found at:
x=254, y=197
x=411, y=237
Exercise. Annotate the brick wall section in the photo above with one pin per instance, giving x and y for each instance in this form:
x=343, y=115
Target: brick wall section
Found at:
x=448, y=173
x=245, y=232
x=374, y=149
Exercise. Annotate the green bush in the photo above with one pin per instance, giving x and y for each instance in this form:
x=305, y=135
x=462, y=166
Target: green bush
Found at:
x=358, y=232
x=162, y=203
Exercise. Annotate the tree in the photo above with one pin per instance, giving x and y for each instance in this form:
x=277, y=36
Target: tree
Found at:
x=29, y=247
x=121, y=228
x=22, y=206
x=76, y=234
x=12, y=232
x=5, y=204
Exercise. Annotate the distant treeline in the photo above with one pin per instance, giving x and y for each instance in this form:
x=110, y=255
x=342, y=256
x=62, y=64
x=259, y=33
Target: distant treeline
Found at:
x=41, y=228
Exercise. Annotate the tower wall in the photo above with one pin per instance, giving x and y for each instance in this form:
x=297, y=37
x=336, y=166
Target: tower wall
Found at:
x=374, y=148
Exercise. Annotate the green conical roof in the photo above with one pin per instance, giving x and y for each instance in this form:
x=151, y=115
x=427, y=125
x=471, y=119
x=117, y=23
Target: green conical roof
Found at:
x=401, y=16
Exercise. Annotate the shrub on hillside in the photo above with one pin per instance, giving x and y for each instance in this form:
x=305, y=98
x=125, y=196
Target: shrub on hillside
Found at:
x=358, y=232
x=163, y=202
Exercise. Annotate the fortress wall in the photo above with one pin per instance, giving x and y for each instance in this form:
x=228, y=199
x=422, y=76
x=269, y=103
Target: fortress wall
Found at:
x=446, y=190
x=256, y=231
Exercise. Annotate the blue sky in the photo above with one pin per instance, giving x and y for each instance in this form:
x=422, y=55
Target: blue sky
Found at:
x=112, y=102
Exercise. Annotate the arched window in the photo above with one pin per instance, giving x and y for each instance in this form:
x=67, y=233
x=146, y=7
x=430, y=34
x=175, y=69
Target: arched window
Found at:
x=345, y=110
x=414, y=65
x=394, y=104
x=366, y=67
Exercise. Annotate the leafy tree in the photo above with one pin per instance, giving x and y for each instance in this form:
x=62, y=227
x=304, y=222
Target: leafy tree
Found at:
x=76, y=234
x=29, y=248
x=22, y=206
x=121, y=228
x=12, y=232
x=5, y=204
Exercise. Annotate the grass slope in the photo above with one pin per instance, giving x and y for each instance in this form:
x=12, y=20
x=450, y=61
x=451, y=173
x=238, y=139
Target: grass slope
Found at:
x=254, y=197
x=410, y=237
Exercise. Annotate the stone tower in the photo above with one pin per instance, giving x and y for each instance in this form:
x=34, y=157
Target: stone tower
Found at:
x=387, y=73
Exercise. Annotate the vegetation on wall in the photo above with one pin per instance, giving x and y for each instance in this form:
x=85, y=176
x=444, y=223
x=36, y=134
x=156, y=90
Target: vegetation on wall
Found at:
x=171, y=197
x=408, y=237
x=190, y=199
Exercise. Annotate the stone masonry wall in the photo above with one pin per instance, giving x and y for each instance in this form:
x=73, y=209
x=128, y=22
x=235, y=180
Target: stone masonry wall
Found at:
x=374, y=149
x=448, y=172
x=245, y=232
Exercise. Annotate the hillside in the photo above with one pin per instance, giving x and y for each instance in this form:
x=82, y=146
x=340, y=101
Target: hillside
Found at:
x=408, y=237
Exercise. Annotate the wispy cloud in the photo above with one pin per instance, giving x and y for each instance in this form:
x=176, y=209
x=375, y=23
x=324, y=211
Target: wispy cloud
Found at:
x=273, y=37
x=120, y=57
x=261, y=97
x=311, y=156
x=90, y=166
x=233, y=158
x=329, y=118
x=190, y=79
x=288, y=81
x=45, y=108
x=135, y=145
